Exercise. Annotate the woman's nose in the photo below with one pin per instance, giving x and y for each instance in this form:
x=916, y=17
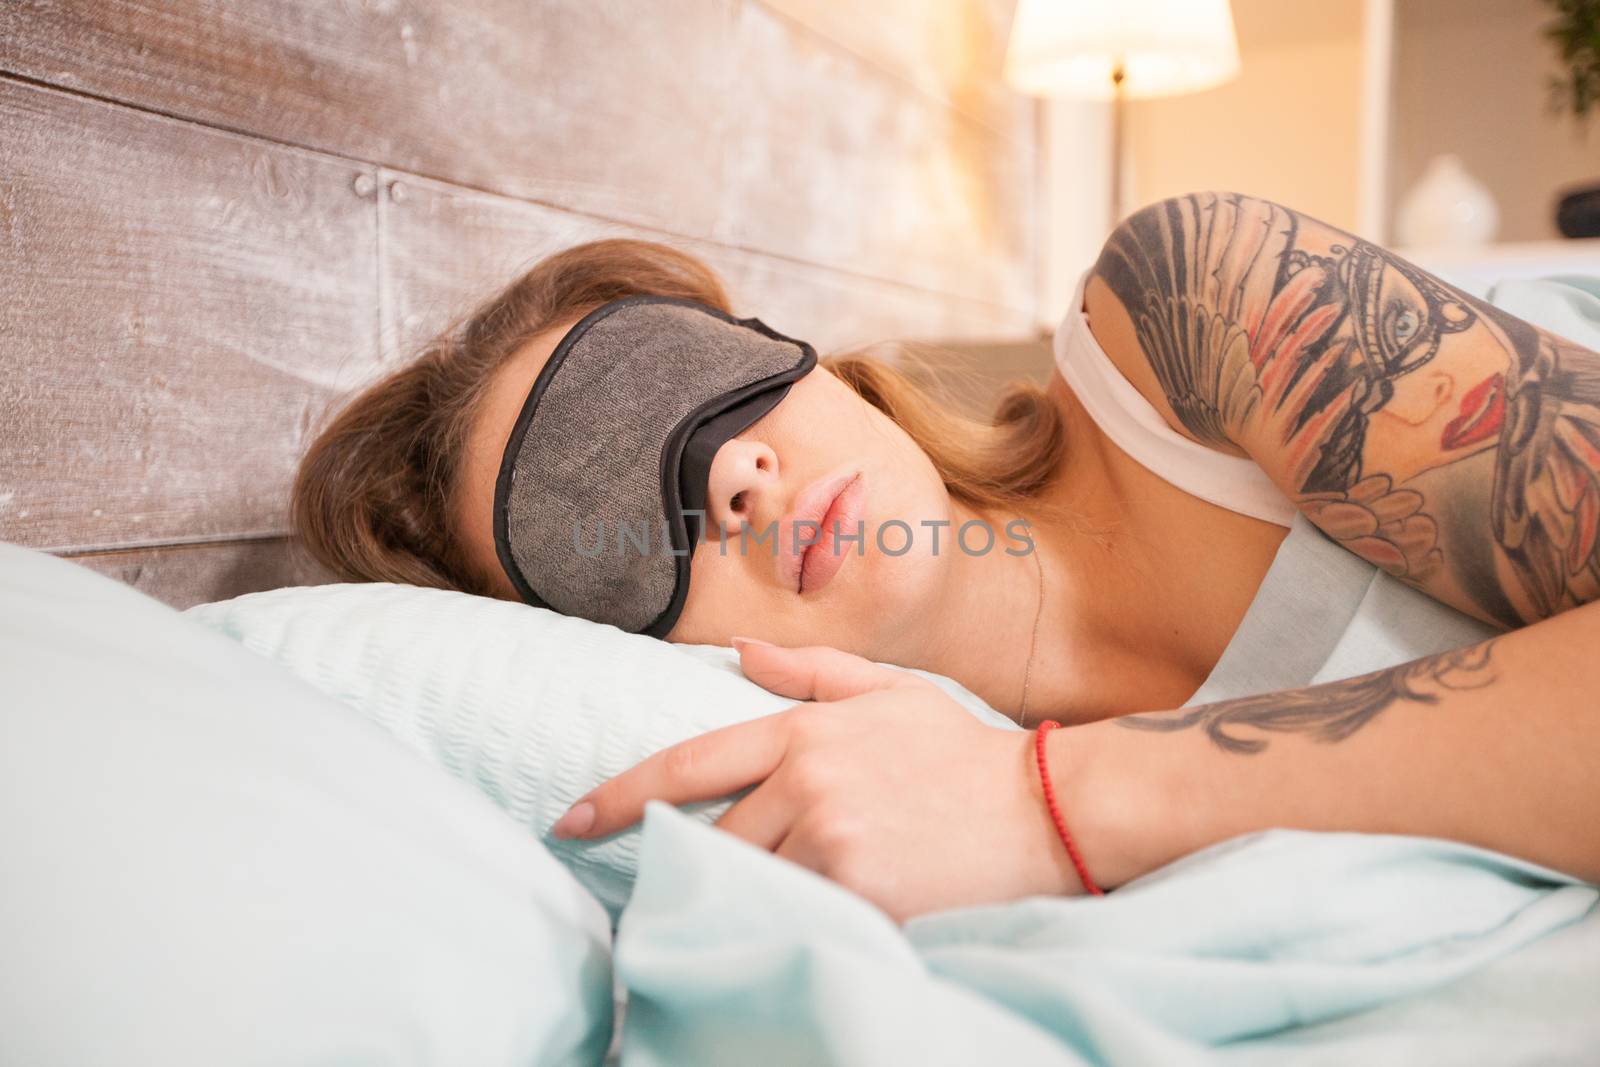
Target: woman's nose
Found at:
x=744, y=475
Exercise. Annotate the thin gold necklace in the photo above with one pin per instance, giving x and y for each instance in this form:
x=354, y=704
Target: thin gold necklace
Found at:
x=1033, y=643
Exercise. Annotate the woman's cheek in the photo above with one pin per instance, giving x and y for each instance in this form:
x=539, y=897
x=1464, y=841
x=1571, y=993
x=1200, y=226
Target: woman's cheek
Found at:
x=721, y=598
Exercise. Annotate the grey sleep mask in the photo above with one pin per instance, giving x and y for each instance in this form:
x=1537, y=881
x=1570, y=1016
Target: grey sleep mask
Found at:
x=611, y=454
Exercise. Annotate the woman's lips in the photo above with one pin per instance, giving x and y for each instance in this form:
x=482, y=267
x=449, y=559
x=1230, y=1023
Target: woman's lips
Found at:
x=834, y=500
x=1483, y=411
x=822, y=560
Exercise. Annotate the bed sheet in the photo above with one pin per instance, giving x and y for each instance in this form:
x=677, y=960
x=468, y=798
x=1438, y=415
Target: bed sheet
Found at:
x=1275, y=947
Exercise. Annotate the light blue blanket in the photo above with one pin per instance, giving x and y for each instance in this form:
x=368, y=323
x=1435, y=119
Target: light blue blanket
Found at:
x=1270, y=948
x=1242, y=953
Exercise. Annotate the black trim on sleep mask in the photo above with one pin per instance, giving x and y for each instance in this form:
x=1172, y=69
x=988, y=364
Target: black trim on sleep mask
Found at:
x=720, y=419
x=694, y=484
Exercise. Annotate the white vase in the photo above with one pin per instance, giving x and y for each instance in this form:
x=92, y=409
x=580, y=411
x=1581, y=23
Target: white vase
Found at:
x=1447, y=208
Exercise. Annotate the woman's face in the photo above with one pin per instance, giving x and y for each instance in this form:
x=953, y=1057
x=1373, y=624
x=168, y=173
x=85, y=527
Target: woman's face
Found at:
x=817, y=437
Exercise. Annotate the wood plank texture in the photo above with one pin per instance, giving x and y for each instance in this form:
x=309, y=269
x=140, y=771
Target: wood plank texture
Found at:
x=218, y=217
x=444, y=248
x=186, y=575
x=179, y=305
x=716, y=119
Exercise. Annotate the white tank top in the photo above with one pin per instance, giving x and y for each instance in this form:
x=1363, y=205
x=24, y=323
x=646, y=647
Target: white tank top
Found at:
x=1136, y=427
x=1321, y=612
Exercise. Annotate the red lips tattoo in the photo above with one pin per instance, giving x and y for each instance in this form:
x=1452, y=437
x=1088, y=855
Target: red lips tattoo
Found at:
x=1483, y=410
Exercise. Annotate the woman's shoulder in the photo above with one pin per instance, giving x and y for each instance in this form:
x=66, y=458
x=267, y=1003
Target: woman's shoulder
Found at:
x=1097, y=353
x=1111, y=328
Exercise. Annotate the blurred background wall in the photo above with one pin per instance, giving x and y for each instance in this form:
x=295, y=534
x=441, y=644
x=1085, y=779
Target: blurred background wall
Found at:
x=1340, y=106
x=1288, y=127
x=1338, y=110
x=1470, y=79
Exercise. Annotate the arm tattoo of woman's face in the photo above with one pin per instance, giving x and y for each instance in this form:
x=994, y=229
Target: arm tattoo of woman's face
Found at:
x=1329, y=712
x=1327, y=354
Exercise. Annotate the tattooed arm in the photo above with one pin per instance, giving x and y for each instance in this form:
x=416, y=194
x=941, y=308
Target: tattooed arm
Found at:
x=1434, y=435
x=1496, y=745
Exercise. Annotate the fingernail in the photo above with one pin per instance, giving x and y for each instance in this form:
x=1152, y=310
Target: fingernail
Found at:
x=740, y=642
x=576, y=821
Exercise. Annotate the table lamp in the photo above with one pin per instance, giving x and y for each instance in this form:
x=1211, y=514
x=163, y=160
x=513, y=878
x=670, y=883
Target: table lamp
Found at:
x=1120, y=49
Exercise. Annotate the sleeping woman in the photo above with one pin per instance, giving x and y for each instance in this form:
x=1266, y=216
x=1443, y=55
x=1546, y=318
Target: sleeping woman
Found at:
x=1274, y=457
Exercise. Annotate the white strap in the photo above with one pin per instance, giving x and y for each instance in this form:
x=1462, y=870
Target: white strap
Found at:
x=1136, y=427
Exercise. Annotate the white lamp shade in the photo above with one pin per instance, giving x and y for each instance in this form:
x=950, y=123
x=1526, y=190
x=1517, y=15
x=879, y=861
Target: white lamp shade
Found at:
x=1072, y=47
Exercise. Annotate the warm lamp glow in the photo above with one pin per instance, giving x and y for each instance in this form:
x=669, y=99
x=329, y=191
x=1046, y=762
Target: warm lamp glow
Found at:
x=1073, y=47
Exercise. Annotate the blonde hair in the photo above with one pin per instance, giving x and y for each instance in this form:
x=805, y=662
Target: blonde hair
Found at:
x=373, y=496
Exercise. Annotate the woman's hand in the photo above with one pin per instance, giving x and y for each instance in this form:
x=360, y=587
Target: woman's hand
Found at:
x=880, y=782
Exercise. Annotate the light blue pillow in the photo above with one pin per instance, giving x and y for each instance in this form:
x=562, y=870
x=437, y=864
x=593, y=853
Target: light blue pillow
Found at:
x=532, y=707
x=206, y=861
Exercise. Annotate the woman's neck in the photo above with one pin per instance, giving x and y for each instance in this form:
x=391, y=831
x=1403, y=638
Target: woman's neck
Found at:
x=1143, y=587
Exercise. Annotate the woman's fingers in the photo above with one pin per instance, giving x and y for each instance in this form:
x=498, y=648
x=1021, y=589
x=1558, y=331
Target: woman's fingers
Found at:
x=725, y=761
x=798, y=848
x=762, y=817
x=705, y=767
x=815, y=672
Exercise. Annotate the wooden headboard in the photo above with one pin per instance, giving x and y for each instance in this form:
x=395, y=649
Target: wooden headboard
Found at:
x=217, y=217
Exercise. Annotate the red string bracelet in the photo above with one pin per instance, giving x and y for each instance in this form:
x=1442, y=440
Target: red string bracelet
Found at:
x=1055, y=810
